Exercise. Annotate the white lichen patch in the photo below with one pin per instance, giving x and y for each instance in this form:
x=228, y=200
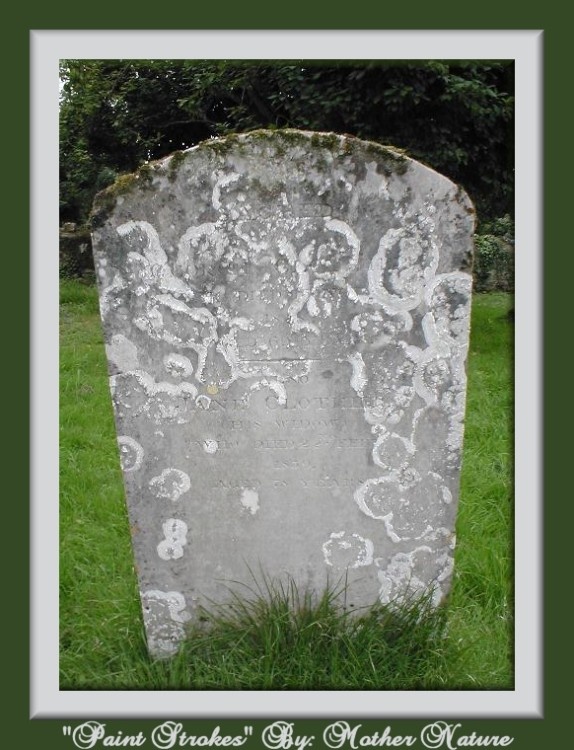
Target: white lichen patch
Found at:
x=438, y=431
x=175, y=539
x=405, y=263
x=148, y=264
x=433, y=376
x=171, y=403
x=448, y=319
x=410, y=510
x=210, y=446
x=137, y=393
x=203, y=402
x=171, y=484
x=389, y=390
x=152, y=249
x=344, y=550
x=299, y=303
x=323, y=252
x=329, y=264
x=409, y=575
x=109, y=296
x=250, y=500
x=131, y=453
x=277, y=388
x=392, y=452
x=312, y=307
x=168, y=319
x=123, y=353
x=165, y=615
x=379, y=327
x=358, y=374
x=177, y=365
x=228, y=350
x=129, y=391
x=200, y=248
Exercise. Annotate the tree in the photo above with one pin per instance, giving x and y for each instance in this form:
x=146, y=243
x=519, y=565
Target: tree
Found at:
x=118, y=114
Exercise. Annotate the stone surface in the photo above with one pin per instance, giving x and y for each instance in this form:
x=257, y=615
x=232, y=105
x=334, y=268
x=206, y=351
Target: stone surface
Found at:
x=286, y=318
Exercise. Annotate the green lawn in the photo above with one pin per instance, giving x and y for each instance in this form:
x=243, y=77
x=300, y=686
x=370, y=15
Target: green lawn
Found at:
x=266, y=645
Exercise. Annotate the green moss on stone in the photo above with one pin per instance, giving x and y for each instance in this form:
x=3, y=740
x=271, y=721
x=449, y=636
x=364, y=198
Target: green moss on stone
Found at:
x=328, y=141
x=283, y=138
x=105, y=201
x=123, y=184
x=145, y=175
x=220, y=146
x=390, y=159
x=175, y=162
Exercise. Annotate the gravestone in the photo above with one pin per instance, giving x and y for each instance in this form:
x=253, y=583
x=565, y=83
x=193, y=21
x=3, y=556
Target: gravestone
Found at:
x=286, y=320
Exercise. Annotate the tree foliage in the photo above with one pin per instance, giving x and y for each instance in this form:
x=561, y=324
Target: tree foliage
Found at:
x=117, y=114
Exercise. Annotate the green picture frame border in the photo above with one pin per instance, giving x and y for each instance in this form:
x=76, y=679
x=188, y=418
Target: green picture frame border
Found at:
x=527, y=733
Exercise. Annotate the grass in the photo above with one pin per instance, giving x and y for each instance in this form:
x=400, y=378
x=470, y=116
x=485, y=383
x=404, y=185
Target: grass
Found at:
x=281, y=640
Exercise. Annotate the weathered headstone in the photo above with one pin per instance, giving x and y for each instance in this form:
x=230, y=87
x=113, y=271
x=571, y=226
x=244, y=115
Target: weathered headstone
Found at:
x=286, y=320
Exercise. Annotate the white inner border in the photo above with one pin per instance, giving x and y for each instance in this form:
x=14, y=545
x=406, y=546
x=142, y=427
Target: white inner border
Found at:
x=47, y=47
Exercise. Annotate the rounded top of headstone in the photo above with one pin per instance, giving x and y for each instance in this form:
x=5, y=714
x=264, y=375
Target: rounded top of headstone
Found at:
x=328, y=165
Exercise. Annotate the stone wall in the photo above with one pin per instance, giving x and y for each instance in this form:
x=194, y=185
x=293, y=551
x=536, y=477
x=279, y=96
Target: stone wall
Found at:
x=76, y=258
